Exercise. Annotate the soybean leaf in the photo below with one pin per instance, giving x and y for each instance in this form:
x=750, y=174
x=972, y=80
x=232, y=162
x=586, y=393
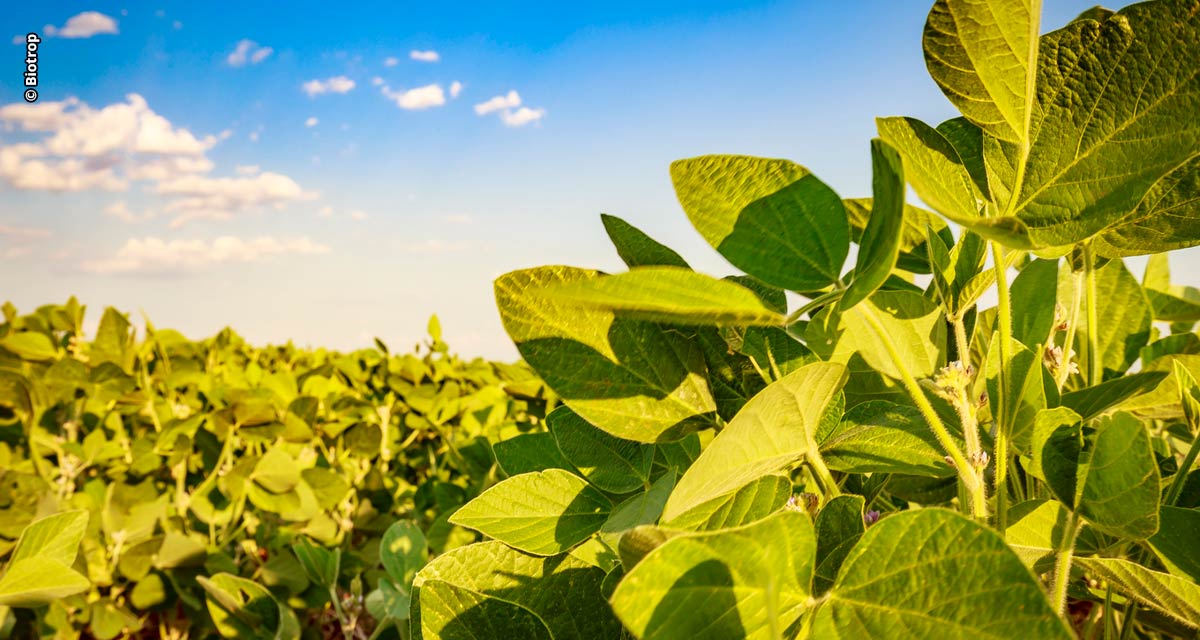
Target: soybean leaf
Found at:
x=1125, y=317
x=30, y=345
x=1092, y=401
x=839, y=525
x=736, y=583
x=403, y=551
x=774, y=431
x=756, y=500
x=242, y=608
x=530, y=452
x=1166, y=219
x=38, y=581
x=775, y=351
x=636, y=543
x=884, y=437
x=633, y=379
x=1035, y=532
x=912, y=323
x=932, y=166
x=1035, y=292
x=321, y=565
x=913, y=252
x=563, y=591
x=771, y=218
x=1118, y=479
x=972, y=584
x=1026, y=393
x=55, y=537
x=983, y=55
x=543, y=513
x=610, y=463
x=636, y=248
x=880, y=244
x=1057, y=441
x=1175, y=596
x=450, y=612
x=1175, y=541
x=642, y=508
x=669, y=294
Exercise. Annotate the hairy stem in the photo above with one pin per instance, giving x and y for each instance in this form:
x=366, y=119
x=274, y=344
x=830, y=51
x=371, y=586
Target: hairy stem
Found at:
x=1064, y=369
x=1004, y=326
x=1062, y=564
x=1094, y=369
x=817, y=464
x=966, y=472
x=961, y=343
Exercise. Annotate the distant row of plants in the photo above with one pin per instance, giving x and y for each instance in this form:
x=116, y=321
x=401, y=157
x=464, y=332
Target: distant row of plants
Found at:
x=886, y=459
x=172, y=488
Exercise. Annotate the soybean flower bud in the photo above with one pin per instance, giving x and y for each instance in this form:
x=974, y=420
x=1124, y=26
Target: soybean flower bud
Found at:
x=870, y=517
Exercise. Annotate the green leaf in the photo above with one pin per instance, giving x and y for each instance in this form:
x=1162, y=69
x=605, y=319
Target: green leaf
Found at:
x=1177, y=597
x=1026, y=390
x=774, y=431
x=775, y=351
x=542, y=513
x=880, y=244
x=748, y=582
x=1175, y=542
x=1118, y=479
x=530, y=452
x=983, y=55
x=321, y=565
x=642, y=508
x=242, y=608
x=1125, y=317
x=633, y=379
x=38, y=581
x=30, y=345
x=1105, y=95
x=669, y=294
x=1167, y=218
x=450, y=612
x=912, y=235
x=1035, y=292
x=638, y=249
x=1035, y=532
x=1056, y=444
x=772, y=219
x=932, y=166
x=752, y=502
x=610, y=463
x=403, y=552
x=277, y=471
x=971, y=584
x=563, y=591
x=884, y=437
x=913, y=323
x=839, y=525
x=55, y=537
x=1093, y=401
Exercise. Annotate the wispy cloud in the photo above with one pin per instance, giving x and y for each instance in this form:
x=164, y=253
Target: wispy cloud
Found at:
x=508, y=108
x=311, y=122
x=507, y=101
x=391, y=62
x=419, y=98
x=521, y=117
x=83, y=25
x=456, y=88
x=248, y=51
x=424, y=56
x=202, y=197
x=23, y=233
x=120, y=210
x=153, y=255
x=336, y=84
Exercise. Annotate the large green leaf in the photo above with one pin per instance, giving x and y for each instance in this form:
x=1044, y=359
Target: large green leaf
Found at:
x=633, y=379
x=1026, y=393
x=451, y=612
x=610, y=463
x=1035, y=292
x=771, y=218
x=754, y=501
x=1124, y=313
x=1057, y=440
x=668, y=294
x=403, y=551
x=30, y=345
x=563, y=591
x=1092, y=401
x=38, y=581
x=983, y=54
x=1118, y=479
x=748, y=582
x=1167, y=218
x=933, y=167
x=1035, y=531
x=879, y=246
x=911, y=323
x=884, y=437
x=774, y=431
x=242, y=608
x=1115, y=113
x=1175, y=543
x=55, y=537
x=839, y=525
x=1175, y=596
x=933, y=573
x=542, y=513
x=636, y=248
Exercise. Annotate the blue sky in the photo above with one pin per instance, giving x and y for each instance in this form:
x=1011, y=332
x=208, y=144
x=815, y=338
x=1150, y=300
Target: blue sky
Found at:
x=314, y=173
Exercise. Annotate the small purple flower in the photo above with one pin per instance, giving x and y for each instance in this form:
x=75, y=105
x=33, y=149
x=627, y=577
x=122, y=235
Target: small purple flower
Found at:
x=870, y=517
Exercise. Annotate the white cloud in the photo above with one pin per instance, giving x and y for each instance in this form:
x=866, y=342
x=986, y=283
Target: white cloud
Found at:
x=254, y=136
x=23, y=233
x=419, y=98
x=247, y=169
x=336, y=84
x=202, y=197
x=391, y=62
x=83, y=25
x=456, y=88
x=248, y=51
x=377, y=81
x=157, y=256
x=311, y=122
x=424, y=56
x=167, y=167
x=120, y=210
x=177, y=25
x=521, y=117
x=507, y=101
x=69, y=174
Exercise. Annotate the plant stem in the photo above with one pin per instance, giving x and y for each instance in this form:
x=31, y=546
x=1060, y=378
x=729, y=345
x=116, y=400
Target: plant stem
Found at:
x=347, y=630
x=1064, y=369
x=966, y=471
x=961, y=344
x=823, y=299
x=1062, y=563
x=1094, y=368
x=1004, y=322
x=1189, y=461
x=817, y=464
